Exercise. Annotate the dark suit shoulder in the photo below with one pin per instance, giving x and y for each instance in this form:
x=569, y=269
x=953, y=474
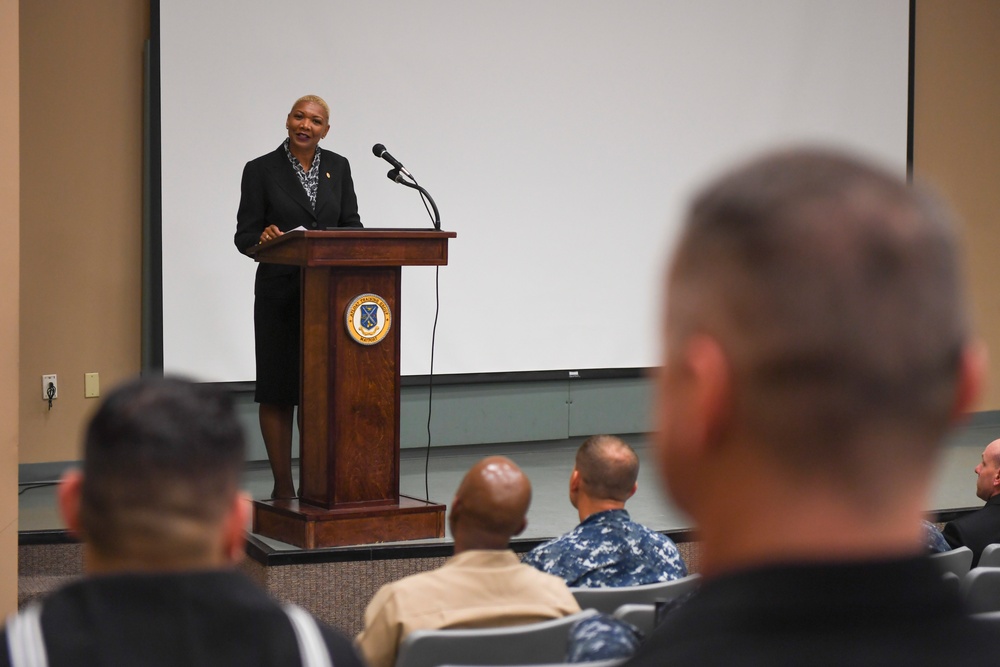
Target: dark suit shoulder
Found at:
x=267, y=160
x=328, y=154
x=976, y=529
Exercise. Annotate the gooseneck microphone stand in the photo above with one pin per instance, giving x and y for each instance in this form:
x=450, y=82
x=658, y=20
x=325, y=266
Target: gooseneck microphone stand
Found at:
x=396, y=176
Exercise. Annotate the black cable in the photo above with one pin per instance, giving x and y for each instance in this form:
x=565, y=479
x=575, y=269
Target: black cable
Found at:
x=435, y=216
x=430, y=380
x=35, y=485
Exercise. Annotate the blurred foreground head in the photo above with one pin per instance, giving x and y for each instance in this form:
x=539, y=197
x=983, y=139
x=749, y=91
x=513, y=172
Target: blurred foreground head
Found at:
x=816, y=334
x=160, y=479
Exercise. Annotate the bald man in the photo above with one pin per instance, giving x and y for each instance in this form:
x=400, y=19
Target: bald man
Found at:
x=607, y=548
x=982, y=527
x=483, y=585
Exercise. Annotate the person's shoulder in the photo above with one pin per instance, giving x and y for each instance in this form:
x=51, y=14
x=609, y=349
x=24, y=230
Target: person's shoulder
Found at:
x=328, y=157
x=988, y=514
x=560, y=543
x=578, y=540
x=268, y=157
x=413, y=586
x=549, y=588
x=540, y=580
x=658, y=537
x=266, y=163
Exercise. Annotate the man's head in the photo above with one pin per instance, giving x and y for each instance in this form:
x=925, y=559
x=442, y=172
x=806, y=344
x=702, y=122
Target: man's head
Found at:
x=816, y=325
x=490, y=506
x=604, y=476
x=988, y=472
x=160, y=478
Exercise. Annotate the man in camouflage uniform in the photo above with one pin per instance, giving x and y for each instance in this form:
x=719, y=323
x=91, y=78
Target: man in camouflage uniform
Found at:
x=607, y=549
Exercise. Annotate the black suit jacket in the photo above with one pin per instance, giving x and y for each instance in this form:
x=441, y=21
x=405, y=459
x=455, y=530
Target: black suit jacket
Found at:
x=271, y=194
x=976, y=530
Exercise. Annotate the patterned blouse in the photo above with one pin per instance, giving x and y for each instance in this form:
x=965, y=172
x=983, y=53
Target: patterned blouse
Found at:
x=308, y=179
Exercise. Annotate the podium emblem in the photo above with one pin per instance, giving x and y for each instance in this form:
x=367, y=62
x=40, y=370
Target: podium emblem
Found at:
x=368, y=319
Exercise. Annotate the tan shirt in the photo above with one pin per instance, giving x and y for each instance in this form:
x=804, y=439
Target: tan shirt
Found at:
x=473, y=589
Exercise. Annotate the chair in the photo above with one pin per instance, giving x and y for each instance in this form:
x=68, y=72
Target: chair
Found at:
x=989, y=618
x=607, y=600
x=981, y=590
x=543, y=642
x=952, y=581
x=990, y=556
x=642, y=616
x=957, y=560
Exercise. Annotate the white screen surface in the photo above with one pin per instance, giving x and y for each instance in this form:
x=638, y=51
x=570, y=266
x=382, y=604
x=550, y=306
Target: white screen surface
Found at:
x=559, y=138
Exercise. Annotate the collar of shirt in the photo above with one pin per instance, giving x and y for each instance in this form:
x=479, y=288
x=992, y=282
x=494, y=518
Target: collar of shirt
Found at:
x=607, y=516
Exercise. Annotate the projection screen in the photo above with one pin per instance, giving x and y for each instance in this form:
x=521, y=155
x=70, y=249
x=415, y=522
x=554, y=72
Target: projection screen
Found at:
x=560, y=139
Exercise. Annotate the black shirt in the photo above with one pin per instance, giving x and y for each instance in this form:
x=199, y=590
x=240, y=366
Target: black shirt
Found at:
x=872, y=613
x=191, y=619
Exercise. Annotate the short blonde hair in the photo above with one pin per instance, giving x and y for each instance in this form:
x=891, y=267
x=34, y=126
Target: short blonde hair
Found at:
x=318, y=100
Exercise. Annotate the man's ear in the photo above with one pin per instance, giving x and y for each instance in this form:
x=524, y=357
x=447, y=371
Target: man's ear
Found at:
x=635, y=487
x=971, y=378
x=574, y=481
x=711, y=387
x=69, y=495
x=454, y=514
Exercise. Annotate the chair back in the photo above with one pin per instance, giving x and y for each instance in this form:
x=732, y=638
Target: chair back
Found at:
x=543, y=642
x=981, y=590
x=990, y=556
x=607, y=600
x=952, y=581
x=990, y=619
x=957, y=560
x=642, y=616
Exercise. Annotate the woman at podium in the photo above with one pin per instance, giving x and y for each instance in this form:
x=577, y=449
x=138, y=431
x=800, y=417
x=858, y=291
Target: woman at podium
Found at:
x=297, y=185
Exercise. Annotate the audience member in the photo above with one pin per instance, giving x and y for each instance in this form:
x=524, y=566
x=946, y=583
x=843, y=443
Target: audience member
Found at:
x=483, y=585
x=607, y=548
x=982, y=527
x=935, y=539
x=817, y=350
x=161, y=519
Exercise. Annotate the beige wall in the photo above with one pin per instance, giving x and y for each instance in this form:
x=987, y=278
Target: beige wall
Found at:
x=9, y=253
x=957, y=141
x=81, y=187
x=81, y=209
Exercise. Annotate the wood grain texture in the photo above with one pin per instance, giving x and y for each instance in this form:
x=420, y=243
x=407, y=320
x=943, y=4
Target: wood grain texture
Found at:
x=310, y=527
x=349, y=473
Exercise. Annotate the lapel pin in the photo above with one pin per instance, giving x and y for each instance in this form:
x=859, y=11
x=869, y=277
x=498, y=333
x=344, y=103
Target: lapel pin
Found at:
x=328, y=174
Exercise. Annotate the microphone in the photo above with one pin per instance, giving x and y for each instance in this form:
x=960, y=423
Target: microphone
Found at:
x=380, y=151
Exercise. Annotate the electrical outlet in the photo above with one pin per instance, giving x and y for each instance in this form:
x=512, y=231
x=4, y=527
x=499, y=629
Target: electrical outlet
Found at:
x=46, y=380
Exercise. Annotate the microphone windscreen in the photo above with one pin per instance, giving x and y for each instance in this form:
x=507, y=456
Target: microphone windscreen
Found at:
x=378, y=149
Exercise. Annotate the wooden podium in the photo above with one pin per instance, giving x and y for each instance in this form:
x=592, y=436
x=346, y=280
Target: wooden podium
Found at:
x=349, y=451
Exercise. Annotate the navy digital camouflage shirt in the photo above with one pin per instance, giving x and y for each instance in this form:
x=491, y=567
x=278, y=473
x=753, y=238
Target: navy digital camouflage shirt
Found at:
x=608, y=550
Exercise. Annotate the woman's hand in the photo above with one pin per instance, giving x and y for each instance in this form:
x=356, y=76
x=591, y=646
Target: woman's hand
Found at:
x=270, y=232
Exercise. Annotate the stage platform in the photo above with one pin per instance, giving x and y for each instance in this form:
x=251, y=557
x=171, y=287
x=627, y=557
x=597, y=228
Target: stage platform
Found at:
x=336, y=583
